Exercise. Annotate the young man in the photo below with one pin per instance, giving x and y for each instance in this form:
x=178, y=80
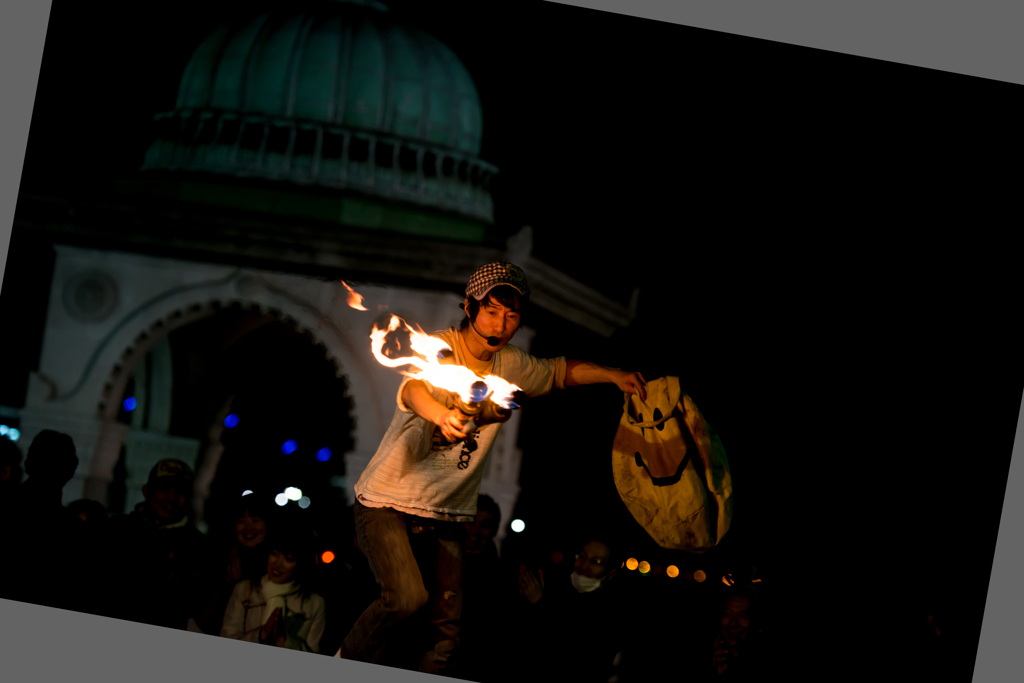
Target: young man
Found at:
x=422, y=484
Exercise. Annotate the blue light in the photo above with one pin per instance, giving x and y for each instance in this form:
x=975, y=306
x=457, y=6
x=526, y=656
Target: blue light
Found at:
x=289, y=447
x=130, y=403
x=231, y=420
x=324, y=454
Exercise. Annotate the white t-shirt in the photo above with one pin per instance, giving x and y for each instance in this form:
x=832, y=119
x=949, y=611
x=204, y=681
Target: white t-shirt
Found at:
x=415, y=470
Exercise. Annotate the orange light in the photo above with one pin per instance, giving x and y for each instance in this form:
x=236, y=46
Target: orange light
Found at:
x=699, y=576
x=755, y=581
x=327, y=557
x=728, y=580
x=645, y=567
x=672, y=571
x=631, y=563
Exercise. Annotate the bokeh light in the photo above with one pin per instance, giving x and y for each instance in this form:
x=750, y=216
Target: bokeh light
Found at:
x=3, y=430
x=728, y=580
x=645, y=567
x=557, y=557
x=13, y=434
x=231, y=420
x=672, y=571
x=699, y=576
x=246, y=492
x=518, y=525
x=281, y=499
x=327, y=557
x=304, y=502
x=289, y=447
x=631, y=563
x=324, y=454
x=130, y=404
x=293, y=493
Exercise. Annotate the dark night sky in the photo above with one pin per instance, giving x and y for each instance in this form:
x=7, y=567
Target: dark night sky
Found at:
x=810, y=231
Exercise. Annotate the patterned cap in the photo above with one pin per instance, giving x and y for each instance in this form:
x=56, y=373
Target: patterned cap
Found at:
x=170, y=468
x=490, y=276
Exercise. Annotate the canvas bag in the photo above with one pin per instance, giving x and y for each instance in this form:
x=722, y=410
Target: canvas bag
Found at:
x=670, y=469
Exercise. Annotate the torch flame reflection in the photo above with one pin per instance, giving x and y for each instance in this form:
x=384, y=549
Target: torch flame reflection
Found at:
x=426, y=363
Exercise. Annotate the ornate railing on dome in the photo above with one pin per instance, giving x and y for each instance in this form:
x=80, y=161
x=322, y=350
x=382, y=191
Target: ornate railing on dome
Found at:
x=314, y=153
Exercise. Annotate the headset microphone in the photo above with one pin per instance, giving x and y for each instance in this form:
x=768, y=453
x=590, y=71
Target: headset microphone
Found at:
x=491, y=341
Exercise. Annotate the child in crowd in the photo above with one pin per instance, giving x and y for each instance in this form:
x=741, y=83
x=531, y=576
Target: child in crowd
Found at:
x=280, y=608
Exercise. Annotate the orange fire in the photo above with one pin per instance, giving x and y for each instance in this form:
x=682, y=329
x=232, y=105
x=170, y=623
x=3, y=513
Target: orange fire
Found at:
x=354, y=300
x=425, y=360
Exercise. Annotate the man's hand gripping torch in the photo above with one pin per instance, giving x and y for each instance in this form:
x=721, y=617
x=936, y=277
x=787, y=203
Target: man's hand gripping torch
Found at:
x=480, y=410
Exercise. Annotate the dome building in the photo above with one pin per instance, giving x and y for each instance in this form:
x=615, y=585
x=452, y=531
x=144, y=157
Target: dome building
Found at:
x=337, y=97
x=307, y=145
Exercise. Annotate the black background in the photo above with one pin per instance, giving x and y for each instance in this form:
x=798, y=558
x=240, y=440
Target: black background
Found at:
x=821, y=243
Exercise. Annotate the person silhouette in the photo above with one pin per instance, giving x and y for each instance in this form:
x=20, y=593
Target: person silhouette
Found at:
x=38, y=528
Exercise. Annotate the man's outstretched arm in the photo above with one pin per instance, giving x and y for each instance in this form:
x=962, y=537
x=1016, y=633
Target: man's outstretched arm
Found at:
x=579, y=372
x=419, y=400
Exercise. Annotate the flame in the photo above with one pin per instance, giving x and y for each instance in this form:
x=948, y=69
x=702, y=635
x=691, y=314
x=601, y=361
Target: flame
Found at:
x=354, y=300
x=426, y=363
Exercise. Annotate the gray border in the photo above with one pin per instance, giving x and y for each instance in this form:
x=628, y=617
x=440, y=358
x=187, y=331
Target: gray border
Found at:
x=977, y=38
x=1002, y=629
x=22, y=33
x=46, y=644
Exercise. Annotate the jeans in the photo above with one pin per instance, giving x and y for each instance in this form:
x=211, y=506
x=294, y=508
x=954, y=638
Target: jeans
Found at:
x=414, y=566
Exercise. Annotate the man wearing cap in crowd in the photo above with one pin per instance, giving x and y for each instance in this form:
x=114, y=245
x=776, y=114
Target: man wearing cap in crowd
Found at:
x=422, y=484
x=158, y=553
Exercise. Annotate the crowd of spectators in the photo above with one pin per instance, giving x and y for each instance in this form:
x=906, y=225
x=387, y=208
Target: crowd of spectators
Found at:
x=258, y=578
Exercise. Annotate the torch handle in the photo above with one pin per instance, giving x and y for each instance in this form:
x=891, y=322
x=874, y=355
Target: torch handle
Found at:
x=476, y=415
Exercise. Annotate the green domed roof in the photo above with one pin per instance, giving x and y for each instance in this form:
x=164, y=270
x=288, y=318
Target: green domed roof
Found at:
x=332, y=94
x=338, y=64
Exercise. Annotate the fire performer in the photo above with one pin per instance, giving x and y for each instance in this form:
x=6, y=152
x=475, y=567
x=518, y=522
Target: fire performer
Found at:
x=422, y=484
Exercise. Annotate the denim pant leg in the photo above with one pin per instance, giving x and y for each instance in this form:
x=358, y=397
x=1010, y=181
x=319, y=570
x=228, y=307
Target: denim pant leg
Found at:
x=446, y=614
x=384, y=539
x=440, y=559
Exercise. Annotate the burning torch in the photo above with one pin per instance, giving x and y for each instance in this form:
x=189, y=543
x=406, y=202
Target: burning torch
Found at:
x=479, y=400
x=480, y=410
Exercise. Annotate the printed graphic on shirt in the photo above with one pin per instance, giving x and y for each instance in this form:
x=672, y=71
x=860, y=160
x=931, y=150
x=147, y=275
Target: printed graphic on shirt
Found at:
x=447, y=455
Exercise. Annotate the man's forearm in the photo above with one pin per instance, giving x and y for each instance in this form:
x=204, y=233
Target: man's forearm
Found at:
x=578, y=372
x=418, y=399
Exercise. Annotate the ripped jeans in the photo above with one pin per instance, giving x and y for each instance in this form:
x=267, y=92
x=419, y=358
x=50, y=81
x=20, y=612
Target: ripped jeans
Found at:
x=417, y=562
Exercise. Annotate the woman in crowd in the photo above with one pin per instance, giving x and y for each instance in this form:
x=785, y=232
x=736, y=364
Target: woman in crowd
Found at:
x=243, y=555
x=280, y=608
